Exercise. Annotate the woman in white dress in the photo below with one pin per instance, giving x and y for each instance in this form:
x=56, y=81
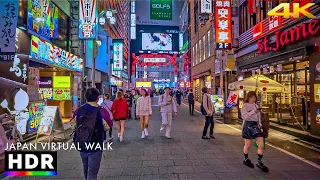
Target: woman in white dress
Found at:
x=144, y=111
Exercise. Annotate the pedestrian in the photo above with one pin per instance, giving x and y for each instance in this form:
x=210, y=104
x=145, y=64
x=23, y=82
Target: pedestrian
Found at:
x=136, y=97
x=252, y=129
x=107, y=104
x=90, y=120
x=120, y=113
x=191, y=102
x=113, y=97
x=168, y=106
x=144, y=111
x=134, y=103
x=209, y=109
x=178, y=96
x=129, y=99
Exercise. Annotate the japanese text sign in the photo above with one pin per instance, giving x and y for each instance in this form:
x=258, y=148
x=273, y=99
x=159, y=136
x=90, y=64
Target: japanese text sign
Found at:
x=206, y=6
x=8, y=24
x=274, y=22
x=223, y=24
x=61, y=81
x=88, y=17
x=118, y=56
x=257, y=31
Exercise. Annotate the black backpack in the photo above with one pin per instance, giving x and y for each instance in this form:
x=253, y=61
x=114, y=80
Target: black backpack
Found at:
x=191, y=98
x=87, y=128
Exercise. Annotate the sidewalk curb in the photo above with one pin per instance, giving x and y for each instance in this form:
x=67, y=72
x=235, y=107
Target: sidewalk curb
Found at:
x=273, y=146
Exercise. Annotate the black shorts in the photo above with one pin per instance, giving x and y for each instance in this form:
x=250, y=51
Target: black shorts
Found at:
x=120, y=119
x=247, y=130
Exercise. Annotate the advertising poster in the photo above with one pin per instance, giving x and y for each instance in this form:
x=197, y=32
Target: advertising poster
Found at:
x=39, y=17
x=46, y=93
x=61, y=81
x=218, y=103
x=157, y=41
x=118, y=56
x=16, y=70
x=8, y=25
x=61, y=94
x=41, y=50
x=35, y=115
x=88, y=18
x=161, y=9
x=318, y=117
x=54, y=19
x=46, y=123
x=21, y=121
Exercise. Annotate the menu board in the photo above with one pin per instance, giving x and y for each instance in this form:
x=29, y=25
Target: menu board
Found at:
x=218, y=103
x=61, y=94
x=35, y=114
x=46, y=123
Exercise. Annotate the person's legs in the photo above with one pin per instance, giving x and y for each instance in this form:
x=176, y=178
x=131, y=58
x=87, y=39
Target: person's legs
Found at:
x=206, y=125
x=142, y=123
x=118, y=127
x=94, y=161
x=260, y=142
x=84, y=158
x=247, y=144
x=192, y=109
x=146, y=125
x=211, y=125
x=122, y=127
x=168, y=127
x=164, y=121
x=110, y=133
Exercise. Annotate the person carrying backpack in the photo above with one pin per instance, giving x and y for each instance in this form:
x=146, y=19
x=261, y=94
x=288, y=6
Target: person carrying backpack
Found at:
x=207, y=109
x=90, y=123
x=191, y=102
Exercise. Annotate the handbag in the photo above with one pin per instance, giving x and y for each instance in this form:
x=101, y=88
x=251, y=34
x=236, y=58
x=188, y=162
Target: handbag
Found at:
x=203, y=110
x=254, y=130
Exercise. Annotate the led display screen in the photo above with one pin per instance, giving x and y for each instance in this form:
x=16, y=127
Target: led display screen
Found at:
x=157, y=41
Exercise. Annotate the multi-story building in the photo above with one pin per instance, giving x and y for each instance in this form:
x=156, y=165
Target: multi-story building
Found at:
x=202, y=52
x=285, y=50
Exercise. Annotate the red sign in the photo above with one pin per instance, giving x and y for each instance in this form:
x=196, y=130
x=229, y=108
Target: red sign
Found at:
x=274, y=22
x=58, y=91
x=223, y=24
x=295, y=34
x=252, y=7
x=257, y=31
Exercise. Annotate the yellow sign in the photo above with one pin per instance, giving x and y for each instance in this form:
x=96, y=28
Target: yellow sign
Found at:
x=61, y=81
x=296, y=10
x=143, y=84
x=230, y=63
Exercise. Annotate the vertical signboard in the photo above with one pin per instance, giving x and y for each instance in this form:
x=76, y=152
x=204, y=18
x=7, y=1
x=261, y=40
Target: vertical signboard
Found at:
x=223, y=24
x=117, y=55
x=88, y=17
x=8, y=24
x=206, y=6
x=161, y=9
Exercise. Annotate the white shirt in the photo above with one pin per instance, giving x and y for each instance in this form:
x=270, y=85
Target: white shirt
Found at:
x=144, y=106
x=163, y=99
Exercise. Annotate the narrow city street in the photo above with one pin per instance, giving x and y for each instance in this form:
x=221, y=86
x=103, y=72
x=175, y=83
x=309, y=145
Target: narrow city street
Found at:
x=185, y=156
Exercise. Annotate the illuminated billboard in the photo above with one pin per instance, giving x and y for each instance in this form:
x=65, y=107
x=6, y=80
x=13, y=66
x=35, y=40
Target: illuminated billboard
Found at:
x=88, y=17
x=143, y=84
x=157, y=41
x=39, y=17
x=117, y=55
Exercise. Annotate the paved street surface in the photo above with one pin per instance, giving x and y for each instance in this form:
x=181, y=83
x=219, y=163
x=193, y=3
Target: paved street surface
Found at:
x=185, y=156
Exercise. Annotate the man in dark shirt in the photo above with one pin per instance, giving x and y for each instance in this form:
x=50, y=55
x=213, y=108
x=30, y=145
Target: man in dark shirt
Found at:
x=178, y=96
x=129, y=99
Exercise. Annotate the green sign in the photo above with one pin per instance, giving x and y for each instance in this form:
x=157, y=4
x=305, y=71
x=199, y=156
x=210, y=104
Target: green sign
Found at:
x=161, y=9
x=61, y=94
x=185, y=45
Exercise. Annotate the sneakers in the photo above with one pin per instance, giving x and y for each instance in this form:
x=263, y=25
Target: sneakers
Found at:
x=212, y=137
x=205, y=137
x=262, y=166
x=121, y=138
x=161, y=129
x=248, y=163
x=168, y=137
x=146, y=132
x=143, y=135
x=118, y=135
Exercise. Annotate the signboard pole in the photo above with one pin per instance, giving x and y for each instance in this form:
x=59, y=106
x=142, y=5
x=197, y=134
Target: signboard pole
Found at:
x=93, y=72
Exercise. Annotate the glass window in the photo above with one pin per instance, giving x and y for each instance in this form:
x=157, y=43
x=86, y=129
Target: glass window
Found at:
x=197, y=53
x=193, y=59
x=209, y=43
x=200, y=50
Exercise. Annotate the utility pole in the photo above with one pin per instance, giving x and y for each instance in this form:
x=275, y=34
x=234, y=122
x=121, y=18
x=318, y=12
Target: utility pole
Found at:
x=93, y=71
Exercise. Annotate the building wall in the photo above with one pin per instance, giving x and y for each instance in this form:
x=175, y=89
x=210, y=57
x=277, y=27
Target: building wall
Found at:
x=206, y=64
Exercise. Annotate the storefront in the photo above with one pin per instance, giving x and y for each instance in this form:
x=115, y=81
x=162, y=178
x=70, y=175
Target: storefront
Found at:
x=200, y=81
x=55, y=76
x=283, y=55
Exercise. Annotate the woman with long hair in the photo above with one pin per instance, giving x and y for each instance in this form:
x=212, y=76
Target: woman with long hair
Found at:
x=144, y=111
x=120, y=112
x=107, y=104
x=252, y=129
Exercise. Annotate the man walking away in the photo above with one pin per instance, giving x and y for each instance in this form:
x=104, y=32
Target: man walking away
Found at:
x=208, y=106
x=191, y=102
x=178, y=96
x=167, y=106
x=90, y=119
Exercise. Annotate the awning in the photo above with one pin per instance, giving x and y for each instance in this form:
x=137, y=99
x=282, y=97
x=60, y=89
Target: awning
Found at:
x=261, y=82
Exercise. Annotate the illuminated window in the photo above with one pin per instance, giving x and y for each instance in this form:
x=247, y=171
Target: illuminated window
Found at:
x=209, y=43
x=197, y=53
x=204, y=47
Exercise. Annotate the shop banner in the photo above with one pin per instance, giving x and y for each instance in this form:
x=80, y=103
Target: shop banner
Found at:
x=118, y=55
x=35, y=115
x=46, y=123
x=88, y=19
x=161, y=9
x=46, y=93
x=218, y=103
x=257, y=31
x=16, y=70
x=8, y=25
x=61, y=81
x=49, y=53
x=61, y=94
x=252, y=7
x=45, y=82
x=223, y=22
x=206, y=6
x=232, y=99
x=38, y=17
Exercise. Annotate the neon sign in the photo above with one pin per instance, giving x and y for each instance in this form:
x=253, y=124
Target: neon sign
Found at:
x=293, y=35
